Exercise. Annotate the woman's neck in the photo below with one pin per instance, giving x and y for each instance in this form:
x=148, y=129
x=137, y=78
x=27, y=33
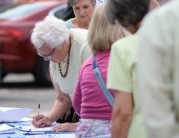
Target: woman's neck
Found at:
x=79, y=24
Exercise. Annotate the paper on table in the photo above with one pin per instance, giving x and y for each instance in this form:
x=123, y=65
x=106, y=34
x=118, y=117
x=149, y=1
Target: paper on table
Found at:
x=52, y=136
x=62, y=135
x=26, y=119
x=6, y=129
x=9, y=114
x=34, y=129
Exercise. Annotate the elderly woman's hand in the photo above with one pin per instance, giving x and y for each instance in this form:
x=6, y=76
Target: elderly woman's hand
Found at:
x=70, y=127
x=41, y=121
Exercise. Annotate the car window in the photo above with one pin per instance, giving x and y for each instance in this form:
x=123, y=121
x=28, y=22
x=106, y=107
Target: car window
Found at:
x=59, y=11
x=22, y=10
x=60, y=14
x=7, y=7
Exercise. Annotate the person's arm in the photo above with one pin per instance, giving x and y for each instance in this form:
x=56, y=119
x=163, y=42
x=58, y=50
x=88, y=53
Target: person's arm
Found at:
x=119, y=79
x=77, y=97
x=61, y=105
x=122, y=114
x=69, y=127
x=155, y=75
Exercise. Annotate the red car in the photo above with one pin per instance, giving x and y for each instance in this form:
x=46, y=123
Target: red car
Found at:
x=17, y=55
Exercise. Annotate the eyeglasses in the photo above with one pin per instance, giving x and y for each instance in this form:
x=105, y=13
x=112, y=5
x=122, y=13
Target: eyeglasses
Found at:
x=47, y=55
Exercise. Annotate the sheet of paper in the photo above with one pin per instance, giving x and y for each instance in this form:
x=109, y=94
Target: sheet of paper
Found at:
x=6, y=129
x=26, y=119
x=9, y=114
x=52, y=136
x=62, y=135
x=34, y=129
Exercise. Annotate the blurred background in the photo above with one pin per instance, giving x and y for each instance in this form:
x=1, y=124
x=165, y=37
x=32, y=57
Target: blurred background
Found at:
x=24, y=76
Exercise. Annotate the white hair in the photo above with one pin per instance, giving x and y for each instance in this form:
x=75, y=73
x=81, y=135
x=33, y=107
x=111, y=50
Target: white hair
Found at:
x=51, y=31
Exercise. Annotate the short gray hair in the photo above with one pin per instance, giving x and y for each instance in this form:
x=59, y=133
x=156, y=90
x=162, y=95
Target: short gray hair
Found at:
x=51, y=31
x=72, y=2
x=126, y=12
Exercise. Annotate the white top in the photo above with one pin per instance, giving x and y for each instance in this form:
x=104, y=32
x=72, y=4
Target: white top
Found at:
x=159, y=71
x=80, y=51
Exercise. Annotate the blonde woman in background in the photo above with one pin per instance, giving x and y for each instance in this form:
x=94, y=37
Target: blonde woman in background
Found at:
x=89, y=100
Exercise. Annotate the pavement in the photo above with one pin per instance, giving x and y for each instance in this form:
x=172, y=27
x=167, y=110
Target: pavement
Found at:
x=21, y=91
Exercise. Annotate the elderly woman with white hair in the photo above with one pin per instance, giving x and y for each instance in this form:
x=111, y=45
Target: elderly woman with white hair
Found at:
x=66, y=50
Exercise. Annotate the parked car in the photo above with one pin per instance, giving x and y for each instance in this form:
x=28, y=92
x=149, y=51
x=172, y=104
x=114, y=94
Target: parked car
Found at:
x=5, y=2
x=17, y=55
x=60, y=11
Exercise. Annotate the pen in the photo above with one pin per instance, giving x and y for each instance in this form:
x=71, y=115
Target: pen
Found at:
x=44, y=132
x=38, y=111
x=34, y=133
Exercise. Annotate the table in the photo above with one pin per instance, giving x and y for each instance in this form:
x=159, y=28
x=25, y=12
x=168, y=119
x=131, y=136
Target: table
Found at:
x=20, y=134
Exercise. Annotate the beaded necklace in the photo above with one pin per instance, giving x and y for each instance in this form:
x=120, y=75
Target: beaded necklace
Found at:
x=68, y=61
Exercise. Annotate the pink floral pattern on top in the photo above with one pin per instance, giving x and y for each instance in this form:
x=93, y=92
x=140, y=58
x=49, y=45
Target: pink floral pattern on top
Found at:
x=92, y=128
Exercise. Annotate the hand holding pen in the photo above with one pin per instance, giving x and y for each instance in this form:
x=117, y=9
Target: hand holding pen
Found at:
x=41, y=120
